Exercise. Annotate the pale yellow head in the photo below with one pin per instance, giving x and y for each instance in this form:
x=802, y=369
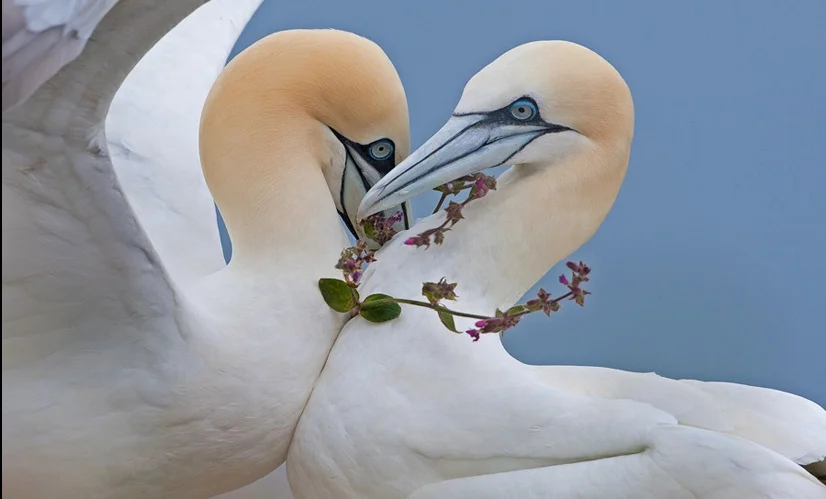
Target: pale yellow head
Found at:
x=564, y=118
x=537, y=104
x=297, y=110
x=572, y=86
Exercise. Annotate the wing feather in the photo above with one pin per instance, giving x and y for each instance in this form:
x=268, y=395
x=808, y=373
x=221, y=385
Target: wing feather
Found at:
x=40, y=37
x=788, y=424
x=77, y=265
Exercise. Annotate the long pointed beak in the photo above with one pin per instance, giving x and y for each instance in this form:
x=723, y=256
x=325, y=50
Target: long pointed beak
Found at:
x=355, y=183
x=465, y=144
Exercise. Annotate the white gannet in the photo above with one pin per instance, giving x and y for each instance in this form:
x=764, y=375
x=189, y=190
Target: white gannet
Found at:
x=134, y=365
x=407, y=409
x=788, y=424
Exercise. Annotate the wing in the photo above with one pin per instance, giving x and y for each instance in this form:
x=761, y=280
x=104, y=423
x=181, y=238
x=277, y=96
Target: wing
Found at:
x=152, y=133
x=77, y=265
x=787, y=424
x=42, y=36
x=501, y=438
x=682, y=463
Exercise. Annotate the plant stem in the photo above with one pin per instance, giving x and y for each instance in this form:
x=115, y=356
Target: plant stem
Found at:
x=440, y=203
x=437, y=308
x=443, y=225
x=560, y=298
x=440, y=308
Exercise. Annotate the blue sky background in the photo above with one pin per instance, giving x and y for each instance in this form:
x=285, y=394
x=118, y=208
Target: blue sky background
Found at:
x=713, y=262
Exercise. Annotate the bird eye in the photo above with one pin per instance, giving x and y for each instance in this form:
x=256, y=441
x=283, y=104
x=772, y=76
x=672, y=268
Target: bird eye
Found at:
x=381, y=149
x=523, y=110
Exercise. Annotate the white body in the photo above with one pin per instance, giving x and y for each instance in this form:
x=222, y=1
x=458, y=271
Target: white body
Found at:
x=408, y=409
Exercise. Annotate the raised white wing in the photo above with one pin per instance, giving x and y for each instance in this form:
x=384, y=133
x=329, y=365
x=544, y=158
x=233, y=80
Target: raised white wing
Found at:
x=152, y=133
x=79, y=272
x=790, y=425
x=42, y=36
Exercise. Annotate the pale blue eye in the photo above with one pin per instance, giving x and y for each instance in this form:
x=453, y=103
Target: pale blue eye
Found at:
x=523, y=110
x=381, y=149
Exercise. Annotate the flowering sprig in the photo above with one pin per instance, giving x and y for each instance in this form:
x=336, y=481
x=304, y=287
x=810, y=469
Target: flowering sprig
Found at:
x=543, y=302
x=380, y=229
x=342, y=295
x=352, y=262
x=479, y=185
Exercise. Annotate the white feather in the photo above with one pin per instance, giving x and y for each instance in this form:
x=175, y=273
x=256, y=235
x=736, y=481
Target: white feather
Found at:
x=40, y=37
x=116, y=380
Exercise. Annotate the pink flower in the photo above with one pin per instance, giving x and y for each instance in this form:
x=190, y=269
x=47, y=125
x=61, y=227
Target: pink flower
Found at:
x=579, y=268
x=411, y=241
x=481, y=323
x=480, y=187
x=474, y=333
x=563, y=280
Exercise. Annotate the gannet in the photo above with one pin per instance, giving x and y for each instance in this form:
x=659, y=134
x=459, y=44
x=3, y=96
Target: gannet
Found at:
x=135, y=364
x=407, y=409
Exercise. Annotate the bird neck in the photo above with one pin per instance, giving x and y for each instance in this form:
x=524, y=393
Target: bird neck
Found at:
x=539, y=215
x=286, y=234
x=508, y=240
x=262, y=317
x=281, y=212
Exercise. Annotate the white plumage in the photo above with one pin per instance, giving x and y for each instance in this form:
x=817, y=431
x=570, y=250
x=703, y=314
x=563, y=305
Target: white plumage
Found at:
x=407, y=409
x=133, y=368
x=135, y=363
x=42, y=36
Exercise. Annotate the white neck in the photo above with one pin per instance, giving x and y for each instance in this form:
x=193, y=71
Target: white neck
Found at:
x=509, y=240
x=286, y=234
x=283, y=213
x=262, y=330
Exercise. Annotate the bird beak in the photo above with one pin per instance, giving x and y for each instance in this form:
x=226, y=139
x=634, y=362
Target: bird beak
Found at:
x=357, y=179
x=465, y=144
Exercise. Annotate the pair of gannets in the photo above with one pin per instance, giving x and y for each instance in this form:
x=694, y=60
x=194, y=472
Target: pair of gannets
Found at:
x=199, y=423
x=135, y=363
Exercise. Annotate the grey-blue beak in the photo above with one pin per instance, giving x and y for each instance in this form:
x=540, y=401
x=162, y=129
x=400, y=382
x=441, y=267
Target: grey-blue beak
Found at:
x=465, y=144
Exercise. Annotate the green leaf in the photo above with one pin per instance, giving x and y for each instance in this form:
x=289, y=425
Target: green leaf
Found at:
x=447, y=320
x=377, y=296
x=375, y=310
x=515, y=310
x=370, y=232
x=337, y=294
